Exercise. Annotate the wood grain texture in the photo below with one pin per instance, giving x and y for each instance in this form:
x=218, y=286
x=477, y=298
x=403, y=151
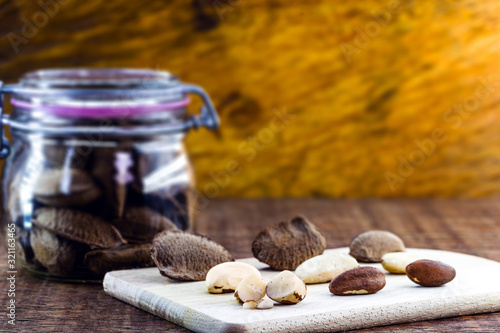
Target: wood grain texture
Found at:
x=421, y=69
x=466, y=226
x=474, y=290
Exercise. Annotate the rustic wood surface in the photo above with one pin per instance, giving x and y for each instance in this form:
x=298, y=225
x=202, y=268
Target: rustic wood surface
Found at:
x=429, y=65
x=466, y=226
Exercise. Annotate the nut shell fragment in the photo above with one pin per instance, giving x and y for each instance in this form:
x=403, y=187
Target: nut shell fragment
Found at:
x=358, y=281
x=183, y=256
x=225, y=277
x=370, y=246
x=57, y=255
x=286, y=245
x=102, y=261
x=78, y=226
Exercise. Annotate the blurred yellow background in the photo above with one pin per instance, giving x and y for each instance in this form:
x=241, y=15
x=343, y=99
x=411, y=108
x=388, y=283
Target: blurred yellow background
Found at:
x=321, y=98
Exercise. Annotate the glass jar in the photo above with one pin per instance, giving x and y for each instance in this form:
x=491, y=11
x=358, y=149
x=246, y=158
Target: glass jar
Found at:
x=97, y=167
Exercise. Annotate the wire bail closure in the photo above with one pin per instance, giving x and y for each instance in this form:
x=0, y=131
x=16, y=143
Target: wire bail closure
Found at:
x=208, y=115
x=4, y=142
x=207, y=118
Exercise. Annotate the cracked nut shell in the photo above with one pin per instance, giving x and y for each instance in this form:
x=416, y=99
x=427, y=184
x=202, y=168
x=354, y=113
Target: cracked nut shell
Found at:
x=78, y=226
x=286, y=245
x=57, y=255
x=183, y=256
x=430, y=273
x=371, y=246
x=102, y=261
x=358, y=281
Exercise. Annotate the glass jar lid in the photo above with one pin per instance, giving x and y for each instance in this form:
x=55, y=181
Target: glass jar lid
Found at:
x=74, y=101
x=99, y=93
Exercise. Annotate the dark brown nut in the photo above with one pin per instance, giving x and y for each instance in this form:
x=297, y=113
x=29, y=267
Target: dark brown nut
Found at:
x=65, y=187
x=358, y=281
x=371, y=246
x=286, y=245
x=430, y=273
x=142, y=223
x=56, y=254
x=78, y=226
x=183, y=256
x=123, y=257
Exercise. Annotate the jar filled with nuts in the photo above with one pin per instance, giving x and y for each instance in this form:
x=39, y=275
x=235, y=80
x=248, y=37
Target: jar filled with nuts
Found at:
x=96, y=169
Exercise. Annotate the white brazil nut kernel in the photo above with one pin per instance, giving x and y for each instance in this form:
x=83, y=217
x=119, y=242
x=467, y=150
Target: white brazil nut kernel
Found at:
x=251, y=288
x=262, y=304
x=396, y=262
x=325, y=267
x=226, y=277
x=286, y=288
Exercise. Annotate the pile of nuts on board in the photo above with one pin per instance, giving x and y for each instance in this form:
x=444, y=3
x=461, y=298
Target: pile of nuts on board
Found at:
x=294, y=246
x=83, y=224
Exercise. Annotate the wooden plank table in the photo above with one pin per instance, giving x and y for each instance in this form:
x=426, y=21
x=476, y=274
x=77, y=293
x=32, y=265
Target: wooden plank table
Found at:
x=466, y=226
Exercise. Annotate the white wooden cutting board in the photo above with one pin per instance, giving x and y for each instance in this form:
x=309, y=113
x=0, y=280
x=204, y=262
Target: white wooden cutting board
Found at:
x=476, y=289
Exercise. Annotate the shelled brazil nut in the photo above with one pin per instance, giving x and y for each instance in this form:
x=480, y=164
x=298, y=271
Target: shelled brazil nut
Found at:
x=371, y=246
x=325, y=267
x=358, y=281
x=430, y=273
x=396, y=262
x=225, y=277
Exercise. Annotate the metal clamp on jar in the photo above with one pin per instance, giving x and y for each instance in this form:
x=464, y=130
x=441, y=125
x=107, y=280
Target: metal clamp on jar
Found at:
x=97, y=167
